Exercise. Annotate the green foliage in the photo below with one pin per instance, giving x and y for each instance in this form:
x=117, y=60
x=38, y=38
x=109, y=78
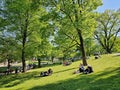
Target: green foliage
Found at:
x=108, y=29
x=8, y=48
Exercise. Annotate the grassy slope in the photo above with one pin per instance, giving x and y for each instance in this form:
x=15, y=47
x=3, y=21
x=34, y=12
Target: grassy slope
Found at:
x=105, y=77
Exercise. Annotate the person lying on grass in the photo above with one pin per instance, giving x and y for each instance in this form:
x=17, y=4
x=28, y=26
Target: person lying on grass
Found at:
x=46, y=73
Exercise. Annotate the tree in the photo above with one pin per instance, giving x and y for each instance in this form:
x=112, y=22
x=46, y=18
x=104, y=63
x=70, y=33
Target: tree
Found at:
x=40, y=39
x=8, y=50
x=7, y=38
x=79, y=13
x=108, y=29
x=21, y=17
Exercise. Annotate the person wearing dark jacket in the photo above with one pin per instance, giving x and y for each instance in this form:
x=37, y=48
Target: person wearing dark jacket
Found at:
x=89, y=69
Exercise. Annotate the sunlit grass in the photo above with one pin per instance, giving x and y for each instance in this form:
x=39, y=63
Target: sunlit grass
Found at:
x=105, y=77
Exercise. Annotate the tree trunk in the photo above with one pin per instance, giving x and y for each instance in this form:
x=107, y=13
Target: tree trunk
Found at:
x=23, y=61
x=39, y=63
x=24, y=36
x=8, y=64
x=108, y=50
x=52, y=58
x=82, y=47
x=23, y=50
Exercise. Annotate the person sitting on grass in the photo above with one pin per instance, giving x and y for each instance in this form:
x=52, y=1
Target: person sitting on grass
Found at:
x=46, y=73
x=66, y=63
x=81, y=68
x=50, y=71
x=89, y=69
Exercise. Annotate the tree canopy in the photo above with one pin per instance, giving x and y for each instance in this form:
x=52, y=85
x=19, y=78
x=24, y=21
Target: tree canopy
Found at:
x=108, y=29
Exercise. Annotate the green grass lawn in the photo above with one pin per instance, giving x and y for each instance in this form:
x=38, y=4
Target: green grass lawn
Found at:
x=106, y=76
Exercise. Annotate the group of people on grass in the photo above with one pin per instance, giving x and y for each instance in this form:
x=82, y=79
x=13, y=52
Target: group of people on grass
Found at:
x=81, y=69
x=84, y=70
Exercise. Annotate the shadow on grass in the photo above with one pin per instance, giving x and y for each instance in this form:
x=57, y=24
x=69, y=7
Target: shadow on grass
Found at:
x=107, y=80
x=13, y=80
x=37, y=76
